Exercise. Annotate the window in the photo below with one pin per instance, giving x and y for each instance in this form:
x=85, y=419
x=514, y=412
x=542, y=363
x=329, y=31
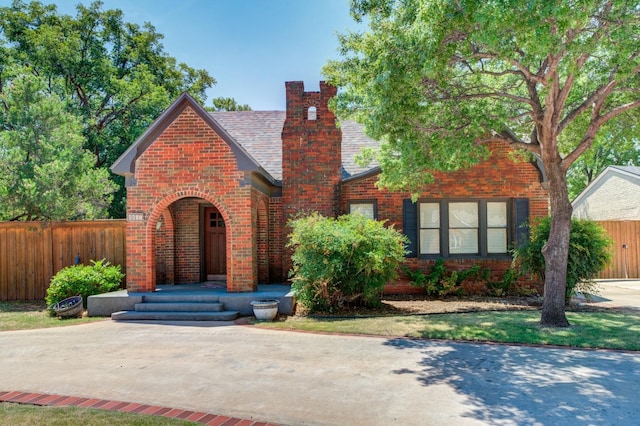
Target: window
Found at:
x=496, y=227
x=464, y=224
x=463, y=227
x=430, y=228
x=367, y=208
x=312, y=113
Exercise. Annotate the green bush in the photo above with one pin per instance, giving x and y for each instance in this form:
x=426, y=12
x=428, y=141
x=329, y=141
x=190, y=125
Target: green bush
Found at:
x=343, y=261
x=589, y=253
x=440, y=282
x=85, y=280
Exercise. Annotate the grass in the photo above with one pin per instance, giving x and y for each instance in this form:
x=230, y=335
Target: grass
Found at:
x=604, y=330
x=33, y=314
x=18, y=414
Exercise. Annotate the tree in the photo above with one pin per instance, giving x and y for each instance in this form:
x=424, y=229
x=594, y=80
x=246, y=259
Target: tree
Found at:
x=589, y=254
x=435, y=79
x=228, y=104
x=45, y=174
x=615, y=148
x=116, y=76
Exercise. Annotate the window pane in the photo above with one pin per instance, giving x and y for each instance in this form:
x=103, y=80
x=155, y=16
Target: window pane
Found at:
x=463, y=241
x=497, y=214
x=429, y=241
x=429, y=215
x=463, y=215
x=497, y=240
x=365, y=209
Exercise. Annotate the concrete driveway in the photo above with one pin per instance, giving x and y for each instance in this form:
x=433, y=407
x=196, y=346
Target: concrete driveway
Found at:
x=312, y=379
x=617, y=294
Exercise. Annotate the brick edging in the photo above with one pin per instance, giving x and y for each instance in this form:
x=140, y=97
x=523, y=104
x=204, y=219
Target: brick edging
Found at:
x=125, y=407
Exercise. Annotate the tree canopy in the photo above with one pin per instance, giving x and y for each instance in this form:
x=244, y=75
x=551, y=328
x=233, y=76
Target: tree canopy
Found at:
x=45, y=173
x=113, y=75
x=228, y=104
x=434, y=79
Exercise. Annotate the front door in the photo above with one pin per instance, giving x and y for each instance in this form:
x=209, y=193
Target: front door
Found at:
x=215, y=244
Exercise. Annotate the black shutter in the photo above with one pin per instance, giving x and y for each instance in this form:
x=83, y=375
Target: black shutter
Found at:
x=410, y=226
x=521, y=225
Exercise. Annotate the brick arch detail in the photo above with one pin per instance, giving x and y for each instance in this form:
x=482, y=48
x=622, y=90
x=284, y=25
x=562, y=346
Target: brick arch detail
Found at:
x=166, y=247
x=157, y=211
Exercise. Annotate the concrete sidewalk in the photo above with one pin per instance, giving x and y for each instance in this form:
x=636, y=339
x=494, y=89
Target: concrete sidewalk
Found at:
x=311, y=379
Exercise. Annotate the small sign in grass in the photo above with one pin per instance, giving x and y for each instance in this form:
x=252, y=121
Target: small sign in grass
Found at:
x=588, y=330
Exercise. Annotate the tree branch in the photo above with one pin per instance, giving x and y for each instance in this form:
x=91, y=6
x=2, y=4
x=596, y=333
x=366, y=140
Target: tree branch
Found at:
x=587, y=103
x=512, y=139
x=593, y=128
x=524, y=70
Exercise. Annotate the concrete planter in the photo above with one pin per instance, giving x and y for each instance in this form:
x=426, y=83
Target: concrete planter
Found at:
x=265, y=310
x=70, y=307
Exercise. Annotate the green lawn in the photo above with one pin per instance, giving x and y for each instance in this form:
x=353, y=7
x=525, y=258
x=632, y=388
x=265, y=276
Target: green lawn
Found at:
x=33, y=314
x=588, y=329
x=18, y=414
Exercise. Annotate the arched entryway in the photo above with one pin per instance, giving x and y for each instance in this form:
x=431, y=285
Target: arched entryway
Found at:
x=185, y=232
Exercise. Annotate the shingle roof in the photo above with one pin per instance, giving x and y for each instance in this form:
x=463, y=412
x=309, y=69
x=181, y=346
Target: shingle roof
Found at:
x=260, y=134
x=629, y=169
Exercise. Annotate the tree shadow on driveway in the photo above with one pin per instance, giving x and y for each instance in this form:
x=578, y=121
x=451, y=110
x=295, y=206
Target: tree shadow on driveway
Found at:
x=530, y=385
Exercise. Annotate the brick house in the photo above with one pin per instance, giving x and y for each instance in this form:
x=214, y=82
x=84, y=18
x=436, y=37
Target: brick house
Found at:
x=209, y=194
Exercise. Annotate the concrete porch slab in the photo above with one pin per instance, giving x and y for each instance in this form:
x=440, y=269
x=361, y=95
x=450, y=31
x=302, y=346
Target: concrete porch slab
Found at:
x=123, y=300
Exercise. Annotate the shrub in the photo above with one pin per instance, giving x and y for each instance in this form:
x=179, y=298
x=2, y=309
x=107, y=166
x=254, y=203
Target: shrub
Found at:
x=342, y=261
x=440, y=282
x=85, y=280
x=589, y=253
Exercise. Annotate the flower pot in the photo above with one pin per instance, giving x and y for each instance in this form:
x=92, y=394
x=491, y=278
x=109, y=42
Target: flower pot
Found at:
x=69, y=307
x=265, y=310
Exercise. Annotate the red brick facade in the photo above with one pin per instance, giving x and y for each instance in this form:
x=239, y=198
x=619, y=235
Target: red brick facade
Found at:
x=187, y=162
x=499, y=177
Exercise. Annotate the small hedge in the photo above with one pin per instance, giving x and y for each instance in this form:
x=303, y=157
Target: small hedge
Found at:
x=343, y=261
x=440, y=282
x=589, y=253
x=85, y=280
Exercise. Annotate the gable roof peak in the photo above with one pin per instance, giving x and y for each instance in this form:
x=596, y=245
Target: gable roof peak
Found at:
x=125, y=164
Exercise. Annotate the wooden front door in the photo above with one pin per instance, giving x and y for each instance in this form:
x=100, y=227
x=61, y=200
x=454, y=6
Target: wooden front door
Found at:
x=215, y=243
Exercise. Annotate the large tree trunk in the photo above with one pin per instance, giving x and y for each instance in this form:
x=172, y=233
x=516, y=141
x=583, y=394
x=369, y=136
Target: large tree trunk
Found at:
x=556, y=251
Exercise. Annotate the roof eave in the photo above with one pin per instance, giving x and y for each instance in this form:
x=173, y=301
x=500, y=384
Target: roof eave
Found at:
x=362, y=175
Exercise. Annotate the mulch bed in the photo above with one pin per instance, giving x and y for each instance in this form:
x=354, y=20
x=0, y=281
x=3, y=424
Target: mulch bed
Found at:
x=416, y=304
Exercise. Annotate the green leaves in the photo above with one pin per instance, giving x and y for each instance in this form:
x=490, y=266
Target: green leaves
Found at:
x=433, y=78
x=86, y=280
x=45, y=174
x=589, y=253
x=112, y=74
x=342, y=261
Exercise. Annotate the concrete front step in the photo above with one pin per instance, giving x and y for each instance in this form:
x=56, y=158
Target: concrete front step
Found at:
x=174, y=316
x=179, y=307
x=172, y=298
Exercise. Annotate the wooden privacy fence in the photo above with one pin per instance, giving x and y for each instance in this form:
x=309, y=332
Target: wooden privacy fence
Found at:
x=626, y=249
x=32, y=252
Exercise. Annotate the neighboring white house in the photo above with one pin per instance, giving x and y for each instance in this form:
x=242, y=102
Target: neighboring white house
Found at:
x=613, y=195
x=613, y=200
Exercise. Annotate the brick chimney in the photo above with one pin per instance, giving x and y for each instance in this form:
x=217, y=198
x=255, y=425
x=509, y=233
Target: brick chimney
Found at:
x=311, y=152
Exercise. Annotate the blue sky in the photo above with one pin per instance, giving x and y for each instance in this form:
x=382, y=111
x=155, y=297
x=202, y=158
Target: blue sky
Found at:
x=251, y=47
